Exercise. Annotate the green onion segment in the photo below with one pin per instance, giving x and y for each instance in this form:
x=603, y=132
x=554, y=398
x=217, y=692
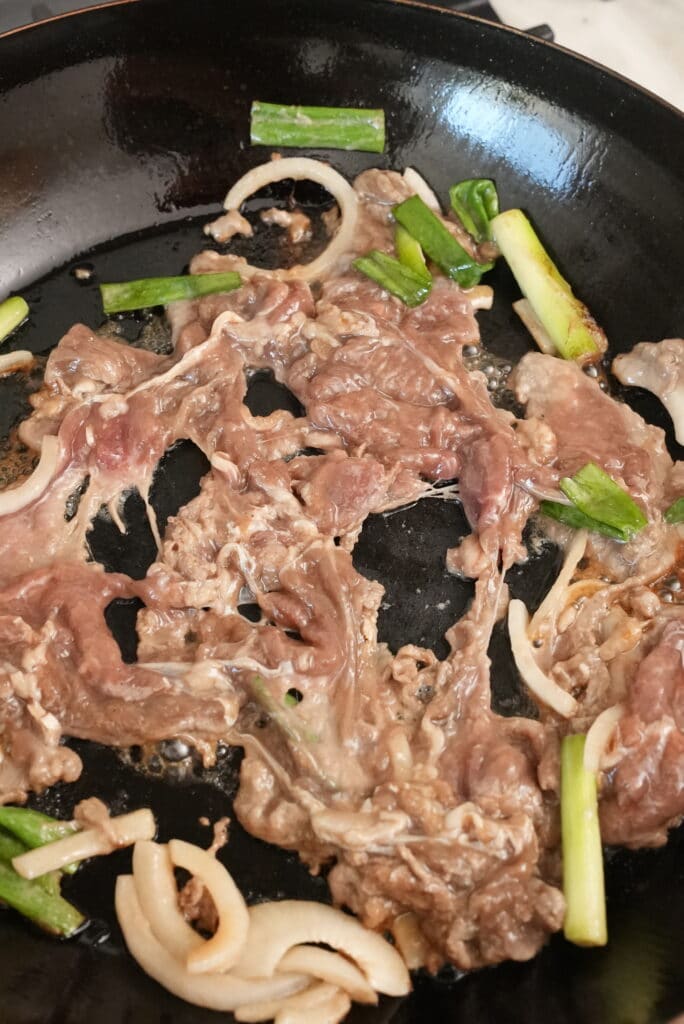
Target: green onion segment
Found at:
x=583, y=885
x=410, y=252
x=567, y=321
x=675, y=513
x=395, y=277
x=570, y=515
x=34, y=900
x=40, y=900
x=13, y=312
x=438, y=244
x=34, y=828
x=475, y=202
x=158, y=291
x=277, y=124
x=596, y=494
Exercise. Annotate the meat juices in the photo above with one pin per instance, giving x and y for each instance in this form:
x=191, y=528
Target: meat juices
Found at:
x=392, y=767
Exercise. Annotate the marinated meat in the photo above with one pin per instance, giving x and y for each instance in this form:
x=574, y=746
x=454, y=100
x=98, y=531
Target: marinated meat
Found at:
x=644, y=794
x=591, y=426
x=389, y=767
x=297, y=224
x=658, y=367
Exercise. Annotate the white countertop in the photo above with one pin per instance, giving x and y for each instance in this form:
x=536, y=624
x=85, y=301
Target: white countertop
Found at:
x=641, y=39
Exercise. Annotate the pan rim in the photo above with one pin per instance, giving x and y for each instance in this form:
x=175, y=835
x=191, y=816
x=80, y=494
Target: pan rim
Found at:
x=433, y=8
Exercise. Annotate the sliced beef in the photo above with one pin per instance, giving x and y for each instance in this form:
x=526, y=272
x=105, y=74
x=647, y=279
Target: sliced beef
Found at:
x=391, y=769
x=62, y=673
x=591, y=426
x=658, y=367
x=644, y=793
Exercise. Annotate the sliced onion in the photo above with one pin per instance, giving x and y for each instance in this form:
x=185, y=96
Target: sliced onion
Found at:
x=556, y=599
x=599, y=736
x=332, y=1011
x=333, y=968
x=420, y=187
x=275, y=927
x=267, y=1010
x=410, y=941
x=215, y=991
x=121, y=831
x=12, y=361
x=16, y=498
x=222, y=950
x=155, y=885
x=481, y=296
x=535, y=327
x=302, y=168
x=541, y=685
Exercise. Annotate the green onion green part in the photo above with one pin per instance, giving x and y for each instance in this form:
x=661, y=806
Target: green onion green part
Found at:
x=410, y=252
x=10, y=847
x=277, y=124
x=583, y=886
x=596, y=494
x=13, y=312
x=569, y=515
x=475, y=202
x=45, y=907
x=438, y=244
x=158, y=291
x=567, y=321
x=34, y=828
x=286, y=717
x=394, y=277
x=675, y=513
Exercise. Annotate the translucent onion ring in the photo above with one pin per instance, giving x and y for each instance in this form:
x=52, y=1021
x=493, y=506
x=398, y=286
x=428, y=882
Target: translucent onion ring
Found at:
x=31, y=489
x=541, y=685
x=222, y=950
x=300, y=168
x=215, y=991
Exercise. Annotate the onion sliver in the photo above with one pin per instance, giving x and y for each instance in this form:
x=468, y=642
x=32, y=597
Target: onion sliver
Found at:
x=123, y=830
x=19, y=497
x=534, y=325
x=276, y=927
x=481, y=296
x=302, y=168
x=599, y=736
x=332, y=1011
x=417, y=182
x=330, y=967
x=310, y=997
x=410, y=940
x=556, y=599
x=222, y=950
x=155, y=885
x=214, y=991
x=10, y=362
x=541, y=685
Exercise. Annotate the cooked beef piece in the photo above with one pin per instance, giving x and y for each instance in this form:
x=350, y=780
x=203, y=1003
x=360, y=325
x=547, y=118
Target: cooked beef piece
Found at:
x=644, y=792
x=591, y=426
x=297, y=224
x=391, y=768
x=61, y=665
x=658, y=367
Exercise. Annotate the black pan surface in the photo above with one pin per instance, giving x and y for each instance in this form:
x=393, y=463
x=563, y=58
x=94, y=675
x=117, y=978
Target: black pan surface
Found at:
x=120, y=131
